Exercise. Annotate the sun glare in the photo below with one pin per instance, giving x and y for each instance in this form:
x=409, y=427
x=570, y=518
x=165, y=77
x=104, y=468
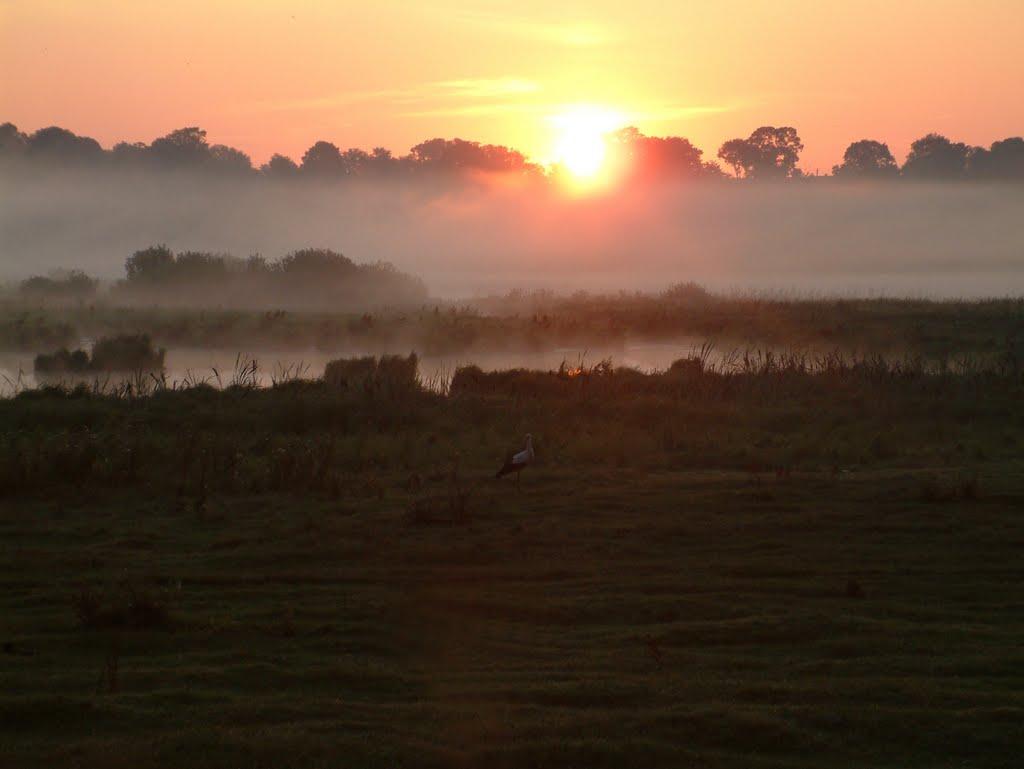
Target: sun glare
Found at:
x=580, y=144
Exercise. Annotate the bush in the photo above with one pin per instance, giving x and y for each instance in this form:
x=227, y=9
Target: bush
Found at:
x=350, y=373
x=687, y=368
x=568, y=381
x=303, y=278
x=131, y=352
x=687, y=293
x=73, y=285
x=393, y=374
x=398, y=374
x=119, y=353
x=62, y=362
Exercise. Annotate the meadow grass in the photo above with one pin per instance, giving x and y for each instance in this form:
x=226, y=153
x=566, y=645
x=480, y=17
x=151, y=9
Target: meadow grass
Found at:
x=790, y=564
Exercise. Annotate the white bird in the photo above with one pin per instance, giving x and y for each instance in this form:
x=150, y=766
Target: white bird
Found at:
x=516, y=462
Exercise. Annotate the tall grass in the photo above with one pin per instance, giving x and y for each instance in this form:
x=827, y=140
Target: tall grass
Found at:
x=370, y=416
x=545, y=321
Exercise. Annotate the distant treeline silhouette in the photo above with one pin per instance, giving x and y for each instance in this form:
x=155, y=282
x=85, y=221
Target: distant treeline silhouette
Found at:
x=309, y=278
x=768, y=153
x=61, y=284
x=188, y=149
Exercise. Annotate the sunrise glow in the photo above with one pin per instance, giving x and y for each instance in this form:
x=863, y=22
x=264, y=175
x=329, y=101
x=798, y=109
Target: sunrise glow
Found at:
x=271, y=77
x=487, y=383
x=581, y=139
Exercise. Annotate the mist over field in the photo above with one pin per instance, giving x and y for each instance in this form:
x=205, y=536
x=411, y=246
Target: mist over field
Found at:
x=917, y=239
x=490, y=385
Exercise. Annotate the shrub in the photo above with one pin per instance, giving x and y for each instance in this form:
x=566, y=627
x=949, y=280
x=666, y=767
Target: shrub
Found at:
x=62, y=362
x=350, y=373
x=686, y=368
x=73, y=285
x=398, y=374
x=310, y=276
x=119, y=353
x=390, y=373
x=687, y=293
x=130, y=352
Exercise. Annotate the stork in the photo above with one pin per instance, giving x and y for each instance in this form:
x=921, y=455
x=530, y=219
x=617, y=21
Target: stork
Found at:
x=516, y=462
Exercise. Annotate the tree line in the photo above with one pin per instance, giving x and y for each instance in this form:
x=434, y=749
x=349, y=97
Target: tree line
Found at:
x=188, y=149
x=313, y=277
x=768, y=153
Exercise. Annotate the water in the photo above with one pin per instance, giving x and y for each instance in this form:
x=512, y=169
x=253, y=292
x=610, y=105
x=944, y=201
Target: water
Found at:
x=219, y=367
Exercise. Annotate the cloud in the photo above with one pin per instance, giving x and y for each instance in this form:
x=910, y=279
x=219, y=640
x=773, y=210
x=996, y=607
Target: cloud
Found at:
x=500, y=108
x=487, y=87
x=330, y=101
x=551, y=110
x=679, y=111
x=441, y=90
x=575, y=34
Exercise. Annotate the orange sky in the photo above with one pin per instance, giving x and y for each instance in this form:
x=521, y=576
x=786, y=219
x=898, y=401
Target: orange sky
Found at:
x=276, y=75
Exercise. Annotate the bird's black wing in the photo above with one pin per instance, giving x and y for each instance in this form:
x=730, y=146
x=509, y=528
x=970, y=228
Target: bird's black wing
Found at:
x=508, y=467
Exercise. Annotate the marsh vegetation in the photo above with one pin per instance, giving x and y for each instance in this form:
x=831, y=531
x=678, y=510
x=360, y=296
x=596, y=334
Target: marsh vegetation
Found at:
x=611, y=449
x=790, y=556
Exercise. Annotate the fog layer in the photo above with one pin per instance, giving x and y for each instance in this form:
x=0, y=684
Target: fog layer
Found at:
x=897, y=238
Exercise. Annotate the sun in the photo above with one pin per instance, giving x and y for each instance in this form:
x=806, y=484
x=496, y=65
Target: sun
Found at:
x=580, y=144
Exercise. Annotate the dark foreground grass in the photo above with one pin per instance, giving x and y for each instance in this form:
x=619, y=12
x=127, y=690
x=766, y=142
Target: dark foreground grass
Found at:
x=807, y=573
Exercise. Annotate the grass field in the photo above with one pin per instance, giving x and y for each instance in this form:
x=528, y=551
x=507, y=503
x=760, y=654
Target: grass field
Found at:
x=769, y=569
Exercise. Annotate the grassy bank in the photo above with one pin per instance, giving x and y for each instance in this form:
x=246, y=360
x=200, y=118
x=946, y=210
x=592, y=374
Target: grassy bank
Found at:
x=934, y=329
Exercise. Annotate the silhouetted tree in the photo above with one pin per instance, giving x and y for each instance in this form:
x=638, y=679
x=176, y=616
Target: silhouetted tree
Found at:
x=1003, y=160
x=867, y=159
x=654, y=157
x=184, y=148
x=196, y=266
x=768, y=153
x=73, y=284
x=357, y=162
x=229, y=160
x=130, y=154
x=279, y=167
x=318, y=262
x=934, y=157
x=311, y=276
x=739, y=154
x=323, y=160
x=12, y=141
x=256, y=264
x=1008, y=156
x=382, y=162
x=455, y=155
x=63, y=145
x=149, y=265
